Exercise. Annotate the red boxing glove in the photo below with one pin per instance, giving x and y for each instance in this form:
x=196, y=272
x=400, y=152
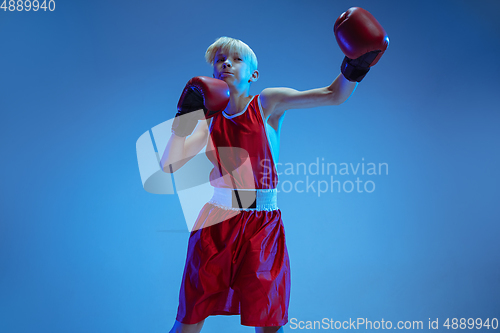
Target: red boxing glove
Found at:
x=201, y=92
x=363, y=41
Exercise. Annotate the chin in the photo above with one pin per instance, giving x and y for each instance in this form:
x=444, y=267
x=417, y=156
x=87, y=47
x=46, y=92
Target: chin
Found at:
x=225, y=79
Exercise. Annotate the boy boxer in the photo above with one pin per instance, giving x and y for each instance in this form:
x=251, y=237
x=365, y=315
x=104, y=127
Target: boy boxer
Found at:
x=237, y=260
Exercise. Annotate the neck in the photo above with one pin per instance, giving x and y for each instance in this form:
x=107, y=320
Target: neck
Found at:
x=237, y=101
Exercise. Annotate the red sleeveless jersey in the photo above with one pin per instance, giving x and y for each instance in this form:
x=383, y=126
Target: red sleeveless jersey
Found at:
x=240, y=150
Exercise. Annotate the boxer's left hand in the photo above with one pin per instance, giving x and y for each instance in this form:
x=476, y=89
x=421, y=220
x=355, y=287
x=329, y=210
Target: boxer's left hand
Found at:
x=363, y=41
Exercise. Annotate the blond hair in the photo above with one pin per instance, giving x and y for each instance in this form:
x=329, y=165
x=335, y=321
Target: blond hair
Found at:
x=231, y=45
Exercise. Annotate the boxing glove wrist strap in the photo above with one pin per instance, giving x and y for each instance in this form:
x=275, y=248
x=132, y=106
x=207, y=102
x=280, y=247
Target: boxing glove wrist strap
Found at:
x=355, y=69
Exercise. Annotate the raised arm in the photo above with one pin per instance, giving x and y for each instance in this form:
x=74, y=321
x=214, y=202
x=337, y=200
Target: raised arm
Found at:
x=363, y=41
x=180, y=150
x=276, y=100
x=201, y=99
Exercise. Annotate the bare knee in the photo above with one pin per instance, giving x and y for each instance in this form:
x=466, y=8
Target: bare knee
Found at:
x=269, y=329
x=187, y=328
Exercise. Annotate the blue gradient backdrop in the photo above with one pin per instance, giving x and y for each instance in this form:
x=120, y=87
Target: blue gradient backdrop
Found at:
x=83, y=248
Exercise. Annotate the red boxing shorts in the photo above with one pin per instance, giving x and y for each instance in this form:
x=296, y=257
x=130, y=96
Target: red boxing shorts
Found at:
x=238, y=266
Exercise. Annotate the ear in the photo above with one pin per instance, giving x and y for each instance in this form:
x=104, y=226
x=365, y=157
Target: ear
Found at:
x=254, y=77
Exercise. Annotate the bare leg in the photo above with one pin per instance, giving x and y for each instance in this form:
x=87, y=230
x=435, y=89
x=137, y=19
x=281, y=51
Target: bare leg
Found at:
x=186, y=328
x=269, y=329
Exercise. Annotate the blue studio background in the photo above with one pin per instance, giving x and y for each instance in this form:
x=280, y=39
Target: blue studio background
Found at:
x=84, y=248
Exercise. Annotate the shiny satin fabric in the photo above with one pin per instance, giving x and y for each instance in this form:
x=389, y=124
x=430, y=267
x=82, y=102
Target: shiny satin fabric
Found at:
x=238, y=266
x=243, y=157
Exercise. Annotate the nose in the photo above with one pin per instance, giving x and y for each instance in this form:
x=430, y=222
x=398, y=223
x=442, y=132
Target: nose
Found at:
x=226, y=63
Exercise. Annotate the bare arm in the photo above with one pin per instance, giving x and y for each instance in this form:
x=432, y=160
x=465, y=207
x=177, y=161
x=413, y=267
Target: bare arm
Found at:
x=275, y=101
x=180, y=150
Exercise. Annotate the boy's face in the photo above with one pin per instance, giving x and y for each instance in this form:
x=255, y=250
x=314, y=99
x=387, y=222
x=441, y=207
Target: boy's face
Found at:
x=233, y=69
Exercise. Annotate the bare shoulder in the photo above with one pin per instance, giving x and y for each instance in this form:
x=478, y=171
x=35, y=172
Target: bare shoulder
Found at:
x=271, y=100
x=276, y=95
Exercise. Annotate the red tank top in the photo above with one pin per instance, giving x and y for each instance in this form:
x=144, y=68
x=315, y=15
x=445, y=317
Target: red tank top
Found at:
x=243, y=158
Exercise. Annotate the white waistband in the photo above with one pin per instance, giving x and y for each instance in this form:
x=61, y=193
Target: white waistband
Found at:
x=247, y=200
